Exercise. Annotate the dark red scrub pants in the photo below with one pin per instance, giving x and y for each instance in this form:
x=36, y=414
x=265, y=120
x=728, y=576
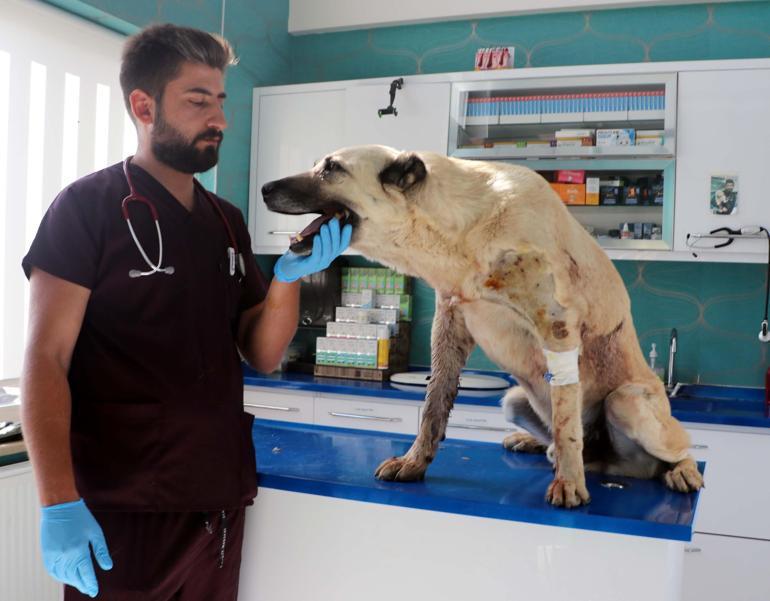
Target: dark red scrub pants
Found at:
x=169, y=557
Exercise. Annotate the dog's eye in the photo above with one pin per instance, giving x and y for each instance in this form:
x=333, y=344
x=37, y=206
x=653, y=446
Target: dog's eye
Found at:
x=331, y=166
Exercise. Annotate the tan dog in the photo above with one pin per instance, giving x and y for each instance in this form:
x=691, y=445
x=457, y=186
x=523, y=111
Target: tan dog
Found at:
x=516, y=274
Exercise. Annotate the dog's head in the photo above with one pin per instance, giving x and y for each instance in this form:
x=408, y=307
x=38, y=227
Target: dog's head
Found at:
x=361, y=185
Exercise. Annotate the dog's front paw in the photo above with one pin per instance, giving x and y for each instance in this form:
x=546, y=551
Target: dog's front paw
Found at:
x=567, y=493
x=401, y=469
x=684, y=477
x=523, y=442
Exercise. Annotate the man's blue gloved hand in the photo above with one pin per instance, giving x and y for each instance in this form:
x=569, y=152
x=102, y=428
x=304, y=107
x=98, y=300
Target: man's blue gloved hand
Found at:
x=65, y=533
x=328, y=244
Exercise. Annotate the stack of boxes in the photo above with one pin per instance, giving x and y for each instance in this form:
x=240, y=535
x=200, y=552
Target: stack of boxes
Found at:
x=369, y=337
x=574, y=188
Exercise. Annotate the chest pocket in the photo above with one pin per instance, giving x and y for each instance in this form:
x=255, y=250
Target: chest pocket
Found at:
x=233, y=288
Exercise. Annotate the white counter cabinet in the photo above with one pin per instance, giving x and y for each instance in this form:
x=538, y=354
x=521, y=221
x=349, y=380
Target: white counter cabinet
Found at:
x=366, y=413
x=281, y=405
x=730, y=551
x=726, y=568
x=736, y=500
x=301, y=546
x=477, y=527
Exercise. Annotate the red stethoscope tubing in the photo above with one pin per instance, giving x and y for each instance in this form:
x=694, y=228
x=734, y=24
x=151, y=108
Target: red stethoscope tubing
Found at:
x=134, y=196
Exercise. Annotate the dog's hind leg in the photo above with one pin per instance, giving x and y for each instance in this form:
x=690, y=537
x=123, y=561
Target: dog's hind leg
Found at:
x=641, y=413
x=451, y=343
x=517, y=409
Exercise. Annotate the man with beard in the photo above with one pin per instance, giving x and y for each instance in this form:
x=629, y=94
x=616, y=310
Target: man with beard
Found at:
x=132, y=383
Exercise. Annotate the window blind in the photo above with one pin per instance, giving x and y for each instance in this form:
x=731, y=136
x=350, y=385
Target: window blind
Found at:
x=61, y=117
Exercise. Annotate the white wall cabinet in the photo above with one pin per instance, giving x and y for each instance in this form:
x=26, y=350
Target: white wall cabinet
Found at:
x=720, y=123
x=294, y=126
x=291, y=132
x=723, y=120
x=421, y=124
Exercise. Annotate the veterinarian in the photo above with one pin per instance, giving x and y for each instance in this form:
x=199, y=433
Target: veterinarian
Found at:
x=132, y=384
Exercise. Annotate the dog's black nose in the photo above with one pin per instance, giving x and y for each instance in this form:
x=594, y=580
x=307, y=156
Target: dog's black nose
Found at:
x=268, y=188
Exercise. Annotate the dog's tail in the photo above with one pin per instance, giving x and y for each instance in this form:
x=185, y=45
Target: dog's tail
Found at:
x=512, y=398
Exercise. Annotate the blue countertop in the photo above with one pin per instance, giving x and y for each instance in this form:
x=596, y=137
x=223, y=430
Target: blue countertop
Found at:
x=309, y=382
x=468, y=478
x=725, y=405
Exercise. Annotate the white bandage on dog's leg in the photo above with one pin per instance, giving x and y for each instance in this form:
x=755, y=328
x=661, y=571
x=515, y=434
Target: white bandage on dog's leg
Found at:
x=562, y=367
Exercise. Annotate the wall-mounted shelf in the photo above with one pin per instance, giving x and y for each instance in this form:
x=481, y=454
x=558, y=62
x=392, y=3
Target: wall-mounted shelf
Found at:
x=523, y=121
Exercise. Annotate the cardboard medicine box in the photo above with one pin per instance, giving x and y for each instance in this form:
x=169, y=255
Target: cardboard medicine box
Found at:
x=571, y=194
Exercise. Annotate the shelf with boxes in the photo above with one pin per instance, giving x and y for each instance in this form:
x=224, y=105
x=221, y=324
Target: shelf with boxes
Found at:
x=608, y=116
x=618, y=132
x=369, y=337
x=620, y=208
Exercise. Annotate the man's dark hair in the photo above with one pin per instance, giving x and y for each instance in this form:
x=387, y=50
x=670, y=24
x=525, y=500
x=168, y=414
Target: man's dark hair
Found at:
x=729, y=181
x=155, y=55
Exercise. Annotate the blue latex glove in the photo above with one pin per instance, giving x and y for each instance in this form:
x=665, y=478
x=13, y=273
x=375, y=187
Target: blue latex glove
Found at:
x=65, y=533
x=328, y=244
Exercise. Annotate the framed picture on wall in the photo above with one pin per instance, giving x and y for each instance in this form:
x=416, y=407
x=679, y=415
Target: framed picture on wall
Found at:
x=723, y=196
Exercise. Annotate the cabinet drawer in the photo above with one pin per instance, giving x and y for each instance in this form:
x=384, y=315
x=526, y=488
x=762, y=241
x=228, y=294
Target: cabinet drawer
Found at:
x=721, y=568
x=737, y=492
x=478, y=423
x=265, y=403
x=366, y=415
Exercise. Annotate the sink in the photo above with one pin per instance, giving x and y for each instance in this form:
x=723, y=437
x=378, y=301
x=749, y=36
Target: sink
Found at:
x=714, y=392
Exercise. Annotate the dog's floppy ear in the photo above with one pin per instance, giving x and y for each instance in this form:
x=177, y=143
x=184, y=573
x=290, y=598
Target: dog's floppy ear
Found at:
x=404, y=172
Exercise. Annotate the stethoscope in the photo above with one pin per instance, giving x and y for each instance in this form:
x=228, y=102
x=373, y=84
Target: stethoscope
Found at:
x=232, y=251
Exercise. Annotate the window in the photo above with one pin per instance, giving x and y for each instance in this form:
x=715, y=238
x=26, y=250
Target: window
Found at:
x=61, y=117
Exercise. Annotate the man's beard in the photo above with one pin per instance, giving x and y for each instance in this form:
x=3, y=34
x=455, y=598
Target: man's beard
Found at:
x=171, y=148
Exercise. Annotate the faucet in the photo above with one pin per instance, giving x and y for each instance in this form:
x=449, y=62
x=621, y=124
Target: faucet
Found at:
x=671, y=355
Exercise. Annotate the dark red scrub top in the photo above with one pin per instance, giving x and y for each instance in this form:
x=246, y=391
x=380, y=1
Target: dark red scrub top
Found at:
x=157, y=388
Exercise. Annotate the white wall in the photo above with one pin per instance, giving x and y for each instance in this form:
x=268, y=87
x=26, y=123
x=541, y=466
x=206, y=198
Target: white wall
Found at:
x=314, y=16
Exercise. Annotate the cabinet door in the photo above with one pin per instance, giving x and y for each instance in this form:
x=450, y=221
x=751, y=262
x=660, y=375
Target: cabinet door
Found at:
x=293, y=131
x=365, y=414
x=722, y=568
x=422, y=122
x=723, y=120
x=737, y=495
x=266, y=403
x=478, y=423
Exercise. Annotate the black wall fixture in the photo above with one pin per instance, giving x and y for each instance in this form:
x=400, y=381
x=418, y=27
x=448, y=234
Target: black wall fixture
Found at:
x=396, y=84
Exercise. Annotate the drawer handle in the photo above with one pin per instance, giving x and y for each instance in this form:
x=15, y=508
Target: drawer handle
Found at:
x=376, y=418
x=692, y=550
x=489, y=428
x=280, y=233
x=699, y=447
x=271, y=407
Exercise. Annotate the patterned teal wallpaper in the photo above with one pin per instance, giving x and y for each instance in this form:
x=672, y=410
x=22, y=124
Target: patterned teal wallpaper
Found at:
x=689, y=32
x=715, y=307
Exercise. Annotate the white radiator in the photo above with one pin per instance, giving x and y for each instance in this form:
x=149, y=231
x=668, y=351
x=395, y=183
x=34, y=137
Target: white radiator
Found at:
x=22, y=576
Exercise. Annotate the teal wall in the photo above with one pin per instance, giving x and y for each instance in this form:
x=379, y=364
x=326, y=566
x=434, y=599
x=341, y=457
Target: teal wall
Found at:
x=715, y=307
